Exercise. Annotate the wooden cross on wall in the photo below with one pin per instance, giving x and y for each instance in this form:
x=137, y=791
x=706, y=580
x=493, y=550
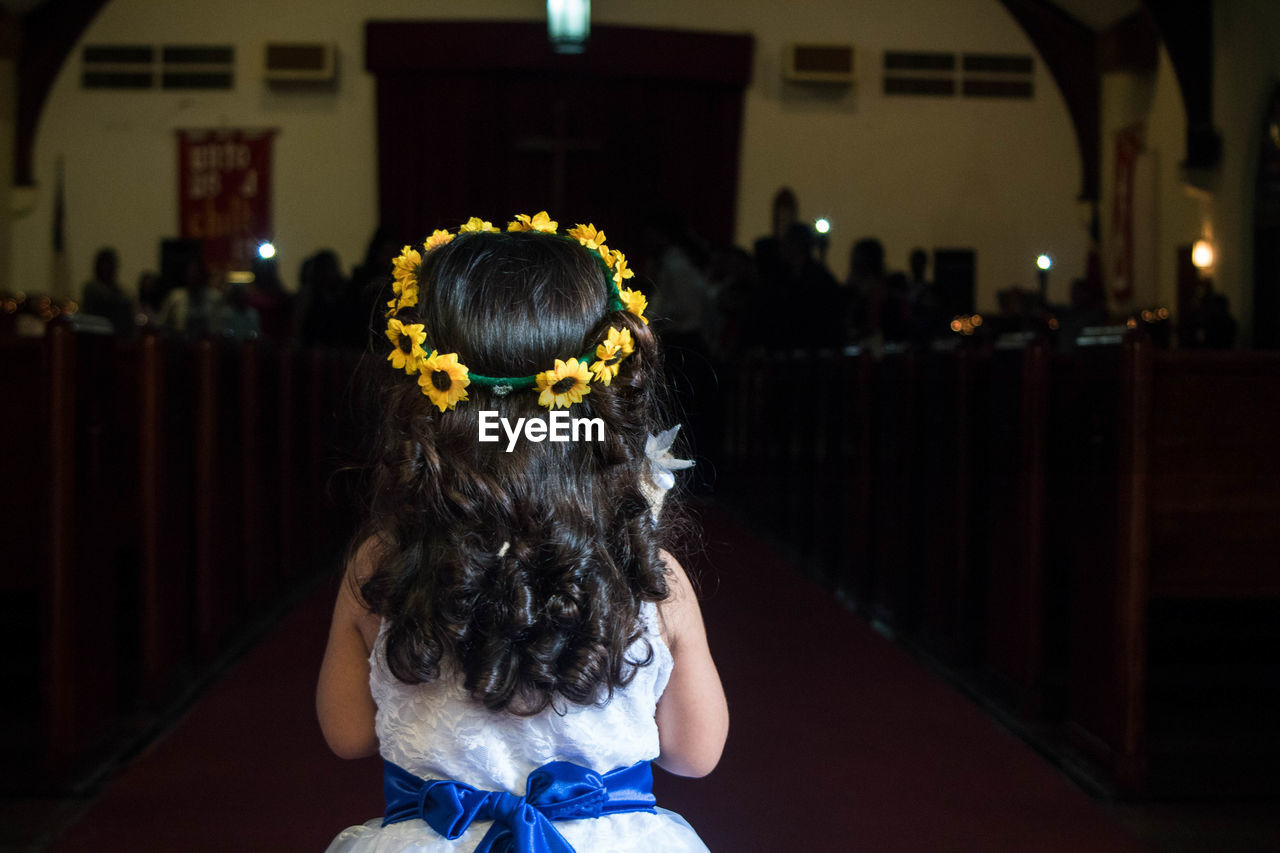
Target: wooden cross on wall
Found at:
x=560, y=146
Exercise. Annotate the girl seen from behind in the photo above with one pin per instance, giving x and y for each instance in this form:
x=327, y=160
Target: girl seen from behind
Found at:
x=510, y=636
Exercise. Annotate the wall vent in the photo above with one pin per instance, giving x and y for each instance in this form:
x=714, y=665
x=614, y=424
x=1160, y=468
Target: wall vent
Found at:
x=147, y=67
x=919, y=73
x=820, y=63
x=296, y=64
x=197, y=67
x=995, y=75
x=118, y=66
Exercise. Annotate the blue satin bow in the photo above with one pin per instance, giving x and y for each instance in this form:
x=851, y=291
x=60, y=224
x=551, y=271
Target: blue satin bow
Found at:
x=560, y=790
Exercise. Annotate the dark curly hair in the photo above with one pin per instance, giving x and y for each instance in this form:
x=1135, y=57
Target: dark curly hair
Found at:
x=553, y=615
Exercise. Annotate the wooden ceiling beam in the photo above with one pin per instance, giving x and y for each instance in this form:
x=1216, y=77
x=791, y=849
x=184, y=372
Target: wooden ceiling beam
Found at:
x=1186, y=27
x=1069, y=50
x=47, y=35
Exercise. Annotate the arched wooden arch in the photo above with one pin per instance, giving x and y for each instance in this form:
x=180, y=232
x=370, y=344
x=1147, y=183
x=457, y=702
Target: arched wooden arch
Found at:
x=46, y=36
x=1075, y=55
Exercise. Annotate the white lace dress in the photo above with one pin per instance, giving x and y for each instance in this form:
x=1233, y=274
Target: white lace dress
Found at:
x=437, y=732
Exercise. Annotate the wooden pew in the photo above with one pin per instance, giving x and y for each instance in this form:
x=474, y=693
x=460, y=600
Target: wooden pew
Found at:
x=315, y=432
x=1093, y=444
x=259, y=485
x=287, y=464
x=732, y=477
x=166, y=467
x=851, y=485
x=821, y=504
x=796, y=429
x=345, y=444
x=1121, y=529
x=1012, y=519
x=1214, y=473
x=767, y=448
x=1178, y=489
x=802, y=471
x=137, y=482
x=1213, y=622
x=269, y=481
x=313, y=388
x=896, y=589
x=218, y=531
x=22, y=487
x=941, y=514
x=87, y=459
x=85, y=571
x=762, y=447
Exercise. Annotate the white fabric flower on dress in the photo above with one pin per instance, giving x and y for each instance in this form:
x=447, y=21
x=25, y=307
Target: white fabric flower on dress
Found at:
x=662, y=467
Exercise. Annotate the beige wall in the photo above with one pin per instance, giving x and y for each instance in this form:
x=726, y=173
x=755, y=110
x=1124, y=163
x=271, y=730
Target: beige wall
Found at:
x=1247, y=46
x=1000, y=176
x=8, y=108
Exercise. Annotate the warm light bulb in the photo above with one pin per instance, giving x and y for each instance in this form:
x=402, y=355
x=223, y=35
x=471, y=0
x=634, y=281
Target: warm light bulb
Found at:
x=1044, y=262
x=822, y=226
x=266, y=251
x=1202, y=254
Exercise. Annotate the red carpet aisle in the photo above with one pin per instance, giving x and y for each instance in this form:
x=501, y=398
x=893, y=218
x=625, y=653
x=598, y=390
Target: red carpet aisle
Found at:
x=247, y=769
x=839, y=742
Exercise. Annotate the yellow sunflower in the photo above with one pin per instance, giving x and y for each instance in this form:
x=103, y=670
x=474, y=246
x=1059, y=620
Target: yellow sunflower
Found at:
x=408, y=294
x=444, y=380
x=610, y=353
x=438, y=238
x=564, y=385
x=620, y=270
x=635, y=302
x=538, y=222
x=475, y=224
x=407, y=340
x=588, y=236
x=404, y=269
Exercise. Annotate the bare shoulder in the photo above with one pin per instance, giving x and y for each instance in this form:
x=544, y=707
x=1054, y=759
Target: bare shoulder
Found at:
x=676, y=575
x=364, y=560
x=680, y=608
x=351, y=604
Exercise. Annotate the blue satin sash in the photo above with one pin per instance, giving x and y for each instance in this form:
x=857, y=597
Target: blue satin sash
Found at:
x=560, y=790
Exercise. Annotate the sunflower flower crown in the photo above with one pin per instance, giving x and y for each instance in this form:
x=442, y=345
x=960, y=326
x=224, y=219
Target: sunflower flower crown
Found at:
x=444, y=379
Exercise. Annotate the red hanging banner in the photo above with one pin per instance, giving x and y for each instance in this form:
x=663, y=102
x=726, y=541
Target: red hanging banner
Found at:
x=1129, y=144
x=224, y=193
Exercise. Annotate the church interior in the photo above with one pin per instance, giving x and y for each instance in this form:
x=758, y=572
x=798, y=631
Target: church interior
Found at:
x=970, y=309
